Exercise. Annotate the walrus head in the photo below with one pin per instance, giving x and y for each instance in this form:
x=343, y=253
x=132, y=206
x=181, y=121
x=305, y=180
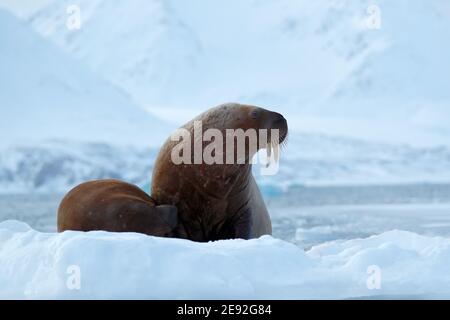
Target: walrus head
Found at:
x=269, y=120
x=239, y=116
x=271, y=128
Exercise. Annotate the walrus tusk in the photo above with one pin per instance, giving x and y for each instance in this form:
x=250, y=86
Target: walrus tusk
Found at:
x=269, y=154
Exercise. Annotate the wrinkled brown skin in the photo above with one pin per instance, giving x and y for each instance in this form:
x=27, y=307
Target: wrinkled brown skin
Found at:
x=116, y=206
x=217, y=201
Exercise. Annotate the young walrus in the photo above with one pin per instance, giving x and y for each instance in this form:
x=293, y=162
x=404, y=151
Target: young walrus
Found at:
x=116, y=206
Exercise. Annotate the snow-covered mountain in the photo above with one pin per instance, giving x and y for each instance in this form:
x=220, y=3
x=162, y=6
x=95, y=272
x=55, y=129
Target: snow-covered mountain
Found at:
x=141, y=46
x=45, y=94
x=311, y=159
x=317, y=159
x=316, y=61
x=57, y=166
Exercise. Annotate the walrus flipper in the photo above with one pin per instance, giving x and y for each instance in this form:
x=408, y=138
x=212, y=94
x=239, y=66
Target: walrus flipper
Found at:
x=169, y=214
x=240, y=227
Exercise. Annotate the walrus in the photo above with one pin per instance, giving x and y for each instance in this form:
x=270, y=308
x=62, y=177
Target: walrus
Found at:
x=116, y=206
x=217, y=201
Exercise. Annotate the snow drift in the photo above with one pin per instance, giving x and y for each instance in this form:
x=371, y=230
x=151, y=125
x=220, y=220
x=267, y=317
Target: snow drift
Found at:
x=110, y=265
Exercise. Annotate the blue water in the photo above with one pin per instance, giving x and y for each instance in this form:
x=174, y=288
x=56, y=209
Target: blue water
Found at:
x=304, y=215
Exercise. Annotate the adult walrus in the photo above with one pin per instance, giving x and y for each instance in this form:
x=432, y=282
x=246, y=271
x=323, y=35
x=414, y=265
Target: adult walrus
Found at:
x=116, y=206
x=217, y=201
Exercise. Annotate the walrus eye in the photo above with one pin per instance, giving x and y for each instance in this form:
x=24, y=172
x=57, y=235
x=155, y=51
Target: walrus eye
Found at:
x=254, y=114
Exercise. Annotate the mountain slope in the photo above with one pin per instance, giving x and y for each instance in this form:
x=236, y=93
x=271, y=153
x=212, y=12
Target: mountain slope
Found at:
x=317, y=62
x=47, y=95
x=151, y=54
x=309, y=159
x=56, y=167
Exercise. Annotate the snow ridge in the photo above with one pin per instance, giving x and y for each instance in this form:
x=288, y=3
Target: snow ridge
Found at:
x=134, y=266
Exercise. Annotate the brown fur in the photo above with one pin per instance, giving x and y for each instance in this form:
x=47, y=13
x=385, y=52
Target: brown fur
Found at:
x=218, y=201
x=112, y=205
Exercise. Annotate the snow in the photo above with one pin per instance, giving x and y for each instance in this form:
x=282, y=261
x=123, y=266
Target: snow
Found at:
x=134, y=266
x=367, y=110
x=309, y=159
x=385, y=124
x=317, y=159
x=47, y=95
x=316, y=62
x=57, y=166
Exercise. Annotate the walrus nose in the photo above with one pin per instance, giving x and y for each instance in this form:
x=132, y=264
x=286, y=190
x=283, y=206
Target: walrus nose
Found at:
x=278, y=118
x=280, y=123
